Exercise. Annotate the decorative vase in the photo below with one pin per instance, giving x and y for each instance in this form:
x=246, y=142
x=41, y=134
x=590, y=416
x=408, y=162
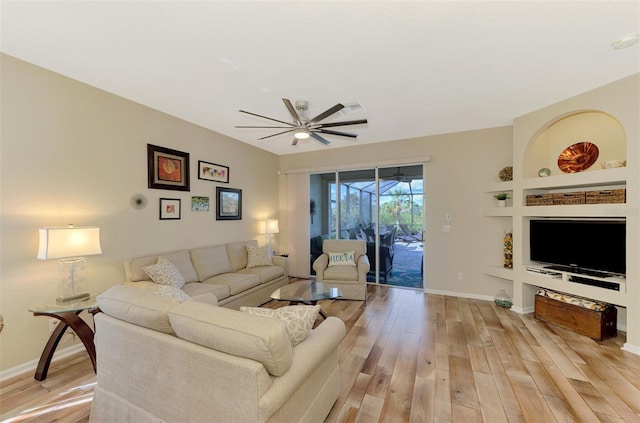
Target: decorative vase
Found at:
x=503, y=299
x=502, y=203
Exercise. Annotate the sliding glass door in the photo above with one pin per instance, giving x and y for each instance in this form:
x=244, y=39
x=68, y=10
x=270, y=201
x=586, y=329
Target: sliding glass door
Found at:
x=383, y=207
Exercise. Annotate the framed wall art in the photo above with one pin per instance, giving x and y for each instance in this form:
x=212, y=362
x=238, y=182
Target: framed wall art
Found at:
x=167, y=168
x=228, y=204
x=213, y=172
x=199, y=203
x=169, y=209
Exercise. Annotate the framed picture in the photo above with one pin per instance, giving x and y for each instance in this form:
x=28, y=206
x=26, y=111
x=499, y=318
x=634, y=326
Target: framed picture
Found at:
x=167, y=168
x=169, y=209
x=228, y=204
x=213, y=172
x=199, y=203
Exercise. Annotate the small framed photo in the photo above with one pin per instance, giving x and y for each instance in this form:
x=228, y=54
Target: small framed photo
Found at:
x=199, y=203
x=169, y=209
x=228, y=204
x=213, y=172
x=167, y=168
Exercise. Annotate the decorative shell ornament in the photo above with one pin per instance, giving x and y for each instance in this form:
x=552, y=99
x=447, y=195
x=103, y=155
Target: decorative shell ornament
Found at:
x=506, y=174
x=138, y=201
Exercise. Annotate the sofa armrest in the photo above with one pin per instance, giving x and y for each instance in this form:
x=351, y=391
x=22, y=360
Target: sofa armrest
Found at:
x=320, y=265
x=282, y=262
x=363, y=266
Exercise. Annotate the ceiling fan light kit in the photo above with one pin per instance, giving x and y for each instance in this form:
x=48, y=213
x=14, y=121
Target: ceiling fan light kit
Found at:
x=303, y=127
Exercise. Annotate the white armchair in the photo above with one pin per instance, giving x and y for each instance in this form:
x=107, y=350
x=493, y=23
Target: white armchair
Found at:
x=352, y=280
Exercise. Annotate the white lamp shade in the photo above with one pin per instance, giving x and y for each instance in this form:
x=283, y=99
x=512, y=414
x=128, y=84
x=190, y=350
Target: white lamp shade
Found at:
x=68, y=242
x=269, y=226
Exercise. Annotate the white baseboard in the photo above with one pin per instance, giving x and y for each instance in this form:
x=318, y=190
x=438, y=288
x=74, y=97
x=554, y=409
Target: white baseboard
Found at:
x=30, y=366
x=459, y=294
x=633, y=349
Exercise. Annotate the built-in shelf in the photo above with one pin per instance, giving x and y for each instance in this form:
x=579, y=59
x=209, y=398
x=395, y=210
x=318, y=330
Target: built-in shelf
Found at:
x=578, y=210
x=578, y=180
x=499, y=271
x=602, y=294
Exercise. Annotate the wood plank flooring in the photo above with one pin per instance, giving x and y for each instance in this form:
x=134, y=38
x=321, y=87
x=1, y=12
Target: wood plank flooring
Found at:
x=411, y=357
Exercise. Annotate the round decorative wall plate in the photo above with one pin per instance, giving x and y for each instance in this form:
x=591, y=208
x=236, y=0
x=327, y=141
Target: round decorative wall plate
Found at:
x=578, y=157
x=544, y=172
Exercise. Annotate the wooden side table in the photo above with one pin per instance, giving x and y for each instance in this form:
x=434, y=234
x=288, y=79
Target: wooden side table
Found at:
x=68, y=316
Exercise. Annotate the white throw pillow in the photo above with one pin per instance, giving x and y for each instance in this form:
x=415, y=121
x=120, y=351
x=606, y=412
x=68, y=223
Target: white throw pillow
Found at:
x=298, y=320
x=258, y=256
x=165, y=273
x=347, y=258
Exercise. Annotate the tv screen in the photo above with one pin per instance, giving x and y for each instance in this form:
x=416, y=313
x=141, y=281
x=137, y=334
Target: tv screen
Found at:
x=585, y=244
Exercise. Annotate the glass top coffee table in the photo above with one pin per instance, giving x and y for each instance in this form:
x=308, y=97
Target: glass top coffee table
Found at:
x=307, y=292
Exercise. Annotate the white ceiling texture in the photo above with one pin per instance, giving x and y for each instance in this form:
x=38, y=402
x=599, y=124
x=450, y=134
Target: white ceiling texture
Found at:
x=416, y=68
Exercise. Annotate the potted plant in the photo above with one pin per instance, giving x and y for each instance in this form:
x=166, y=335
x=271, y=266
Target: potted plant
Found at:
x=502, y=199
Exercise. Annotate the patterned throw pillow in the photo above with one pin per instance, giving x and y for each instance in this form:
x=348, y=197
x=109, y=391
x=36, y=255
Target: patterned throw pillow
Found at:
x=297, y=319
x=165, y=273
x=342, y=259
x=258, y=256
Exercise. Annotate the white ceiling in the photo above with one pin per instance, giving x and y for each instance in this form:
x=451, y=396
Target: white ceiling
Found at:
x=418, y=68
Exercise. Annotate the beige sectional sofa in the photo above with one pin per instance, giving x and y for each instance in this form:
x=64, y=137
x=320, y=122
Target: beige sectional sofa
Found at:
x=220, y=270
x=166, y=360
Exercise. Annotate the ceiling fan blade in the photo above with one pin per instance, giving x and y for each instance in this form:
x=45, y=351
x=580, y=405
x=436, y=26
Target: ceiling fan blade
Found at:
x=295, y=141
x=347, y=122
x=268, y=118
x=274, y=135
x=319, y=138
x=342, y=134
x=326, y=113
x=292, y=110
x=262, y=127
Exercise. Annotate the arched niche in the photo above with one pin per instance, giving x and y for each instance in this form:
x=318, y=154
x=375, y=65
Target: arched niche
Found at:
x=594, y=126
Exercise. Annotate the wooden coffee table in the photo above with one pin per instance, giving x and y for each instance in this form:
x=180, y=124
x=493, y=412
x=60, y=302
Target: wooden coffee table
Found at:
x=307, y=292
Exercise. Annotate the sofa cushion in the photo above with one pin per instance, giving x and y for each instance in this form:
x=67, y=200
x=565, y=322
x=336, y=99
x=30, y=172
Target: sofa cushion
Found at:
x=165, y=273
x=138, y=307
x=298, y=320
x=254, y=337
x=195, y=289
x=259, y=256
x=238, y=254
x=235, y=282
x=210, y=261
x=265, y=273
x=180, y=259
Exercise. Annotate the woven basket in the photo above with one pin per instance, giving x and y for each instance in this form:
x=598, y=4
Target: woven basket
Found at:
x=565, y=198
x=606, y=196
x=540, y=200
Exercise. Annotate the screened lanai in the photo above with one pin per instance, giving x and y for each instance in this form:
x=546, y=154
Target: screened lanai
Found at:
x=349, y=202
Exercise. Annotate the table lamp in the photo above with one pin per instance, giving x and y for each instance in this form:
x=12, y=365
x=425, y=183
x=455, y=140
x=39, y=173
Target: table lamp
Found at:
x=269, y=227
x=68, y=245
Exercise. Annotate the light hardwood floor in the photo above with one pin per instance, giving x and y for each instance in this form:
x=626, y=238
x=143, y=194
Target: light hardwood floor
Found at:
x=411, y=357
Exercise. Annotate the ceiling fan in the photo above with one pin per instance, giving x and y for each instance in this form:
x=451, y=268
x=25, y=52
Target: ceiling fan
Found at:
x=303, y=127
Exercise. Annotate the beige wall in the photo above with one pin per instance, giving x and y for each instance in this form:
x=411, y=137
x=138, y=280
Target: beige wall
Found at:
x=462, y=165
x=71, y=153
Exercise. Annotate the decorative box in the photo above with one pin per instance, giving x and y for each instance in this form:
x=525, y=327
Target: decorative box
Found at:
x=565, y=198
x=591, y=318
x=607, y=196
x=540, y=200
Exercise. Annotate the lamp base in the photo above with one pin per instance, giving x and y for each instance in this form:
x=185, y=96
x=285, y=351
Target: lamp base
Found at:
x=73, y=299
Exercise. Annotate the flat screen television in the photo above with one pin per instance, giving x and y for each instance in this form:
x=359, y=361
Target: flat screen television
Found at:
x=583, y=245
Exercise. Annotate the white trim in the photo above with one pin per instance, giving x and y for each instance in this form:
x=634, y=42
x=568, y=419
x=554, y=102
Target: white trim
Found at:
x=522, y=310
x=633, y=349
x=369, y=165
x=30, y=366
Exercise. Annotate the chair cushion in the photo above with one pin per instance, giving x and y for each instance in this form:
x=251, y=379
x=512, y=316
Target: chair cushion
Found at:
x=235, y=282
x=254, y=337
x=265, y=273
x=341, y=273
x=195, y=289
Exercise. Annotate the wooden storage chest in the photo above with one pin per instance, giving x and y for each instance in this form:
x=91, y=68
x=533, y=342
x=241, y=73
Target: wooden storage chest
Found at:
x=599, y=324
x=607, y=196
